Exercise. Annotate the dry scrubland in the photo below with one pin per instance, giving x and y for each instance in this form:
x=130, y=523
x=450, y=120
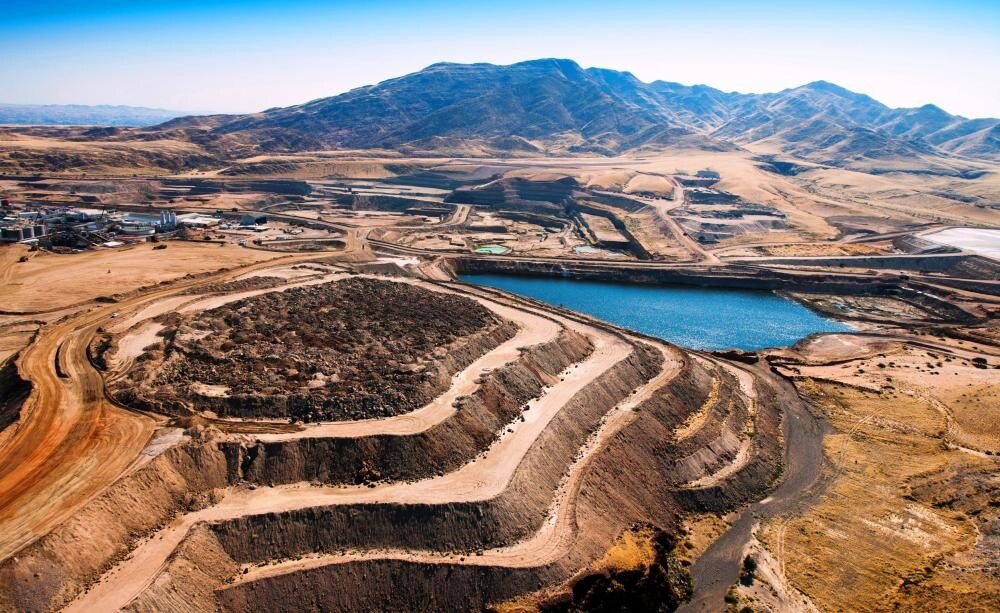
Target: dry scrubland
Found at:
x=909, y=518
x=907, y=521
x=313, y=427
x=29, y=151
x=50, y=281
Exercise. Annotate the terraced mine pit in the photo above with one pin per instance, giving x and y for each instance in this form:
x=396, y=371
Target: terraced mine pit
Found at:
x=401, y=423
x=474, y=446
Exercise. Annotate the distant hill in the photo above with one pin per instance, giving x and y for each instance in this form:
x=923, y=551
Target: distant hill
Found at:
x=526, y=107
x=555, y=106
x=83, y=115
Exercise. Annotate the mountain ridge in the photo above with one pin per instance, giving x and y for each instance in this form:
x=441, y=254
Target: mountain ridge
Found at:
x=104, y=115
x=555, y=105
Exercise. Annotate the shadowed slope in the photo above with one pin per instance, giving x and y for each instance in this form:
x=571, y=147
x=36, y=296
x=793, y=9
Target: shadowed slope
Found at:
x=554, y=104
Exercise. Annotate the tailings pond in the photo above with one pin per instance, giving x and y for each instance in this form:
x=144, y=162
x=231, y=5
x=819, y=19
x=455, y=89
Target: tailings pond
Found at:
x=700, y=318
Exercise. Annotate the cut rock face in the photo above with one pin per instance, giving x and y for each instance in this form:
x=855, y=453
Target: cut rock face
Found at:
x=555, y=475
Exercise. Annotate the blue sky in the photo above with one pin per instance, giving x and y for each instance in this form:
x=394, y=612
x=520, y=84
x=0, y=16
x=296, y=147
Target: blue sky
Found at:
x=246, y=56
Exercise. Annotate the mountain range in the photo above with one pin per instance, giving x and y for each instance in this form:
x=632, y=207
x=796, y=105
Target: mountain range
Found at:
x=82, y=115
x=554, y=105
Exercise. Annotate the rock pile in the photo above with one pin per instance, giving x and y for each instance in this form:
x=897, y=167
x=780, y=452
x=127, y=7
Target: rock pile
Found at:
x=352, y=349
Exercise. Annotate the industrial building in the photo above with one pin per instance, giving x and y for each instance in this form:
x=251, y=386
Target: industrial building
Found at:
x=196, y=220
x=22, y=231
x=17, y=225
x=139, y=224
x=168, y=220
x=253, y=219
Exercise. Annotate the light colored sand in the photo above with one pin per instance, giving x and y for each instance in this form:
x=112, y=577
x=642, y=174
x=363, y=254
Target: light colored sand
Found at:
x=979, y=240
x=771, y=590
x=153, y=309
x=697, y=419
x=49, y=281
x=650, y=184
x=283, y=272
x=214, y=302
x=749, y=391
x=130, y=347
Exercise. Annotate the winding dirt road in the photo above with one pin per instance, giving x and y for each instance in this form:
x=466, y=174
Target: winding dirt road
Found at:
x=482, y=479
x=557, y=532
x=719, y=566
x=71, y=443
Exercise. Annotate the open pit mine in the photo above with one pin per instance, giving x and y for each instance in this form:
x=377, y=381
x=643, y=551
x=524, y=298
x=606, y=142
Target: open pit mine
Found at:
x=696, y=379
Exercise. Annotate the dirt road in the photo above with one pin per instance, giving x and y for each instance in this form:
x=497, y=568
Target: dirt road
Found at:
x=557, y=532
x=484, y=478
x=719, y=567
x=693, y=246
x=663, y=208
x=71, y=443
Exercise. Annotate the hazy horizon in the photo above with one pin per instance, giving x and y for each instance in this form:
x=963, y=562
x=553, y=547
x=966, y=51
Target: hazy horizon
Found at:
x=229, y=57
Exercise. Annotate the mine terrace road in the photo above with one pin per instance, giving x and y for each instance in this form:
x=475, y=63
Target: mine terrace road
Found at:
x=556, y=534
x=718, y=568
x=71, y=443
x=484, y=478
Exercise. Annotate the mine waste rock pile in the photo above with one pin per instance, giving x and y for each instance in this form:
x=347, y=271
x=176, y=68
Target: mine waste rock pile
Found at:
x=240, y=285
x=468, y=448
x=353, y=349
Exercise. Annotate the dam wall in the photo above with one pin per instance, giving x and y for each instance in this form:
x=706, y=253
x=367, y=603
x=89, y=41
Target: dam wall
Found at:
x=963, y=265
x=736, y=277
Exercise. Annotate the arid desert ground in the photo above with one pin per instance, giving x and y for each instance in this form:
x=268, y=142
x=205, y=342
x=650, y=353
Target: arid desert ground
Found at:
x=292, y=401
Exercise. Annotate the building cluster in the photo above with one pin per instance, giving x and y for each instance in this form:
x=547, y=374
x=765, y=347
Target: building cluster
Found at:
x=60, y=226
x=19, y=225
